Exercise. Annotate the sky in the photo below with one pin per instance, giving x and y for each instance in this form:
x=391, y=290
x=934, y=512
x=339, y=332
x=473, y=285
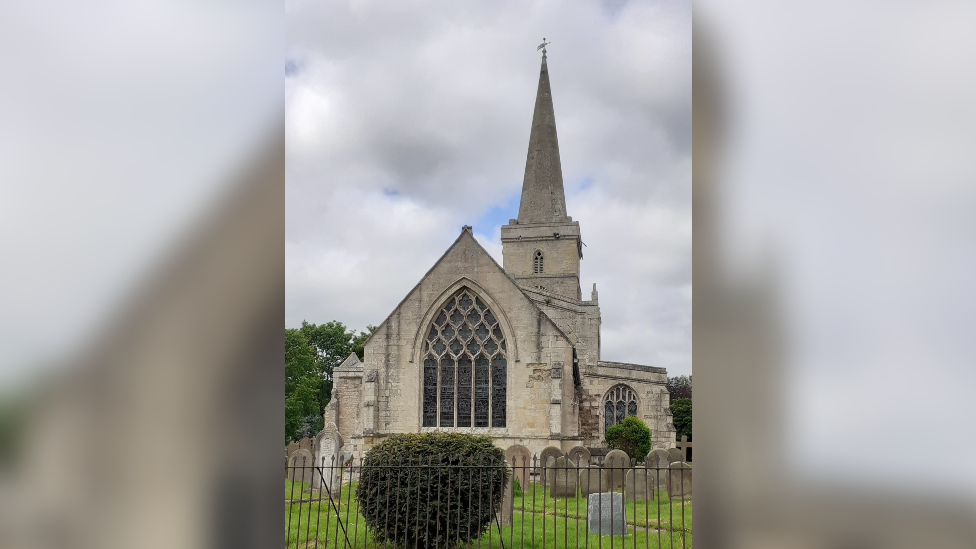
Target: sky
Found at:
x=406, y=121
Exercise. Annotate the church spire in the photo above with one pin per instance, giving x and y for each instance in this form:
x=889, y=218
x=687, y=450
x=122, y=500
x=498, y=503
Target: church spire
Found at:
x=543, y=199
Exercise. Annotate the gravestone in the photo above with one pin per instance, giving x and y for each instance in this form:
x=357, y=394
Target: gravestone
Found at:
x=617, y=462
x=639, y=484
x=679, y=480
x=605, y=514
x=301, y=461
x=563, y=478
x=548, y=452
x=519, y=458
x=658, y=459
x=581, y=455
x=685, y=448
x=305, y=444
x=327, y=445
x=290, y=449
x=593, y=480
x=675, y=454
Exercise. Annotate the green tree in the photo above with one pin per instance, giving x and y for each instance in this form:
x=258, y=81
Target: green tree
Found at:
x=681, y=414
x=332, y=343
x=631, y=436
x=679, y=387
x=302, y=383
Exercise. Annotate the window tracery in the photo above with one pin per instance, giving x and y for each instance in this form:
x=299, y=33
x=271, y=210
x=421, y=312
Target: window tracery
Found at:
x=620, y=402
x=537, y=264
x=465, y=366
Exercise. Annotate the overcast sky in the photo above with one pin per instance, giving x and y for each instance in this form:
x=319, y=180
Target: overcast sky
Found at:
x=407, y=120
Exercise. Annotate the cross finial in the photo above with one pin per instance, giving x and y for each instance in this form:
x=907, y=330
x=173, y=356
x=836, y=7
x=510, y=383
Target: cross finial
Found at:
x=542, y=47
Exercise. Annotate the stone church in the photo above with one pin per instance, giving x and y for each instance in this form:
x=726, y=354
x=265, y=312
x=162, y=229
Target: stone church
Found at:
x=511, y=351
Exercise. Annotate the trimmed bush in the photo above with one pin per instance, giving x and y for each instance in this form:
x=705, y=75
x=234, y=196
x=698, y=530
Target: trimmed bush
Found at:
x=631, y=436
x=428, y=489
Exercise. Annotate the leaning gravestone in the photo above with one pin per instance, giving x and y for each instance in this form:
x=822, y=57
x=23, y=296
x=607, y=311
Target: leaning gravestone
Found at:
x=676, y=454
x=519, y=458
x=679, y=480
x=581, y=455
x=593, y=480
x=549, y=452
x=301, y=463
x=327, y=445
x=617, y=462
x=563, y=478
x=605, y=514
x=638, y=484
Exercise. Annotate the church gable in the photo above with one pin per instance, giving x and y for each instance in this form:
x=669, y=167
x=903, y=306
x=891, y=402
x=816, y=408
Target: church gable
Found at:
x=467, y=323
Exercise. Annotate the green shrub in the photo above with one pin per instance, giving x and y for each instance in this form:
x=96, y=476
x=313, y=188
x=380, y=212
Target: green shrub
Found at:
x=631, y=436
x=450, y=502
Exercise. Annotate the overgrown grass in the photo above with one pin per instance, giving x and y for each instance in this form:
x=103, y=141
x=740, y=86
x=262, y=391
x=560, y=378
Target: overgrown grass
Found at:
x=315, y=524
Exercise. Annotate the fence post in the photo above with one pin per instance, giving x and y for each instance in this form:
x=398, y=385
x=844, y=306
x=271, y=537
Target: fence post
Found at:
x=508, y=499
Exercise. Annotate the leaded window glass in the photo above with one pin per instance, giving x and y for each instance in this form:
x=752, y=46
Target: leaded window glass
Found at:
x=620, y=402
x=465, y=366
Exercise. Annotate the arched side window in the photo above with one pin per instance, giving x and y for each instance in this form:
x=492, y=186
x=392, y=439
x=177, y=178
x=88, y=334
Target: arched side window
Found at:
x=465, y=366
x=537, y=265
x=620, y=402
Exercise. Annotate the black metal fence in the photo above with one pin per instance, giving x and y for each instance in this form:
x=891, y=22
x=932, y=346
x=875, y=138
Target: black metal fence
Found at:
x=561, y=504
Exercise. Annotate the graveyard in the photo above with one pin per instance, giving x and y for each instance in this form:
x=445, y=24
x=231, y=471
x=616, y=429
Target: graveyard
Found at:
x=536, y=517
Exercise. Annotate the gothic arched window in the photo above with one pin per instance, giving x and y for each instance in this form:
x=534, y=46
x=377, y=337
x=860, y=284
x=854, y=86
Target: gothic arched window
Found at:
x=620, y=402
x=465, y=369
x=537, y=262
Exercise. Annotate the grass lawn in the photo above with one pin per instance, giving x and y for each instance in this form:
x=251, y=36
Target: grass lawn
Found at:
x=533, y=523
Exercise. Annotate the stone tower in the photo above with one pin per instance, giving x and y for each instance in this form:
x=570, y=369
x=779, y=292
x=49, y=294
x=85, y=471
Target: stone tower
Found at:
x=542, y=248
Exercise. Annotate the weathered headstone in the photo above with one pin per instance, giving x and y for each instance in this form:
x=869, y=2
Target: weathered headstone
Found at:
x=605, y=514
x=548, y=452
x=617, y=462
x=300, y=463
x=658, y=458
x=593, y=480
x=290, y=449
x=679, y=480
x=519, y=458
x=675, y=454
x=327, y=445
x=305, y=444
x=581, y=455
x=639, y=484
x=563, y=478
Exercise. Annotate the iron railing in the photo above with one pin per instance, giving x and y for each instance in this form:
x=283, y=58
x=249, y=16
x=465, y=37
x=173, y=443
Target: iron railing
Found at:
x=323, y=511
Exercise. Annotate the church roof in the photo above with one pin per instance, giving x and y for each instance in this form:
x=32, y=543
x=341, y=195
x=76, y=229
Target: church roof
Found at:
x=465, y=238
x=543, y=198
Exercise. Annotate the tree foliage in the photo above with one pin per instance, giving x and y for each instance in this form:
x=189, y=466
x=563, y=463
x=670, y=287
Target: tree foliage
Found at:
x=679, y=387
x=681, y=415
x=438, y=506
x=631, y=436
x=332, y=343
x=301, y=387
x=311, y=353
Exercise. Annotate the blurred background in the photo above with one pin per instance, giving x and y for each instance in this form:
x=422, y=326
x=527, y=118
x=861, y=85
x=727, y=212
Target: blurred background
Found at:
x=834, y=204
x=142, y=207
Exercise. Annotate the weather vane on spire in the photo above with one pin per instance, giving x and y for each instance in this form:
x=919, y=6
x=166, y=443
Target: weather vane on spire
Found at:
x=542, y=47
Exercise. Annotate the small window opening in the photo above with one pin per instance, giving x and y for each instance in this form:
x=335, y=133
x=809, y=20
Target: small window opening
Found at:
x=538, y=266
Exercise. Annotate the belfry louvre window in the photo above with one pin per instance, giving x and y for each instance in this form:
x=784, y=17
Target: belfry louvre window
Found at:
x=619, y=403
x=465, y=366
x=537, y=264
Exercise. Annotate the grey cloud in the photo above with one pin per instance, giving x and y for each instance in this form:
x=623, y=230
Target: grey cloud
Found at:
x=435, y=103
